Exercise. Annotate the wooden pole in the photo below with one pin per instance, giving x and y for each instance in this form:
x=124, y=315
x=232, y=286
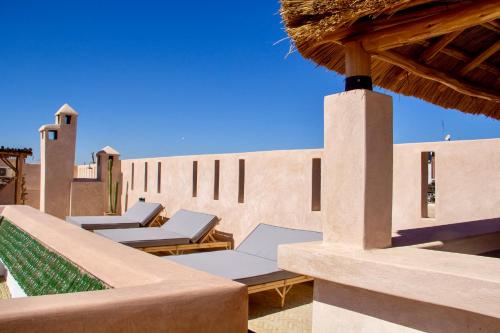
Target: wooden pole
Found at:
x=357, y=67
x=18, y=180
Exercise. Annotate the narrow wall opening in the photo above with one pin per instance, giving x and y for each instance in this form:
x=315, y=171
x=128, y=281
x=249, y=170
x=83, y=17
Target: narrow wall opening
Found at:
x=145, y=176
x=52, y=135
x=195, y=179
x=428, y=184
x=158, y=189
x=132, y=178
x=216, y=179
x=316, y=185
x=241, y=181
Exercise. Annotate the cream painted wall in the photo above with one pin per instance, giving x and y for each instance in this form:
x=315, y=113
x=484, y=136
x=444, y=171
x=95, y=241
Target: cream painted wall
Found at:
x=467, y=182
x=277, y=188
x=278, y=185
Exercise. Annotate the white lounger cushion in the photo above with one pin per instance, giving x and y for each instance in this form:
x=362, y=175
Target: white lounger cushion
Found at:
x=183, y=227
x=144, y=237
x=138, y=215
x=192, y=225
x=143, y=212
x=234, y=265
x=255, y=260
x=263, y=241
x=102, y=222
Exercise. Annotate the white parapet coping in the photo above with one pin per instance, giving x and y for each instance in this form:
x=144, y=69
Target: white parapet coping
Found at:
x=460, y=281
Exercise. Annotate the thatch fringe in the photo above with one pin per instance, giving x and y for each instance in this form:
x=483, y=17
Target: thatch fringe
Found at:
x=308, y=21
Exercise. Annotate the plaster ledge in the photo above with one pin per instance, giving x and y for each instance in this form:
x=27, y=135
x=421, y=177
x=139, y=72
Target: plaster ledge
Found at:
x=460, y=281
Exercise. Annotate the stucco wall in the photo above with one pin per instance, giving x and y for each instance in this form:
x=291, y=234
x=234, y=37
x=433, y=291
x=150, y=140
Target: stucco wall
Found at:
x=149, y=294
x=278, y=185
x=7, y=193
x=467, y=182
x=87, y=197
x=32, y=177
x=277, y=188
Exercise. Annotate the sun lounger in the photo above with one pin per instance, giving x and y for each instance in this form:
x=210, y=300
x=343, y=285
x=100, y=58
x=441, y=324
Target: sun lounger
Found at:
x=254, y=262
x=140, y=214
x=185, y=230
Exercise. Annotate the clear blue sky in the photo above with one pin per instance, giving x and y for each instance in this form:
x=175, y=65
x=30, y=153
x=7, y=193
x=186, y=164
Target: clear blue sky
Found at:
x=158, y=78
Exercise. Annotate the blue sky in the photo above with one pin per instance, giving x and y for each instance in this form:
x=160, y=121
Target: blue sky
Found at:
x=159, y=78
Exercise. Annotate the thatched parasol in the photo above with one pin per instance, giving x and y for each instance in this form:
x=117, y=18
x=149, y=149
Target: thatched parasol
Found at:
x=445, y=52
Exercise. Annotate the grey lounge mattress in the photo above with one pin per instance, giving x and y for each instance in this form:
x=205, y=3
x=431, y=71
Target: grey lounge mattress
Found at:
x=144, y=237
x=244, y=268
x=183, y=227
x=255, y=260
x=102, y=222
x=138, y=215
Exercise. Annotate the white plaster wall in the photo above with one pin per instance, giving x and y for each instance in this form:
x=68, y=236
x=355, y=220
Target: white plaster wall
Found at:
x=467, y=182
x=278, y=186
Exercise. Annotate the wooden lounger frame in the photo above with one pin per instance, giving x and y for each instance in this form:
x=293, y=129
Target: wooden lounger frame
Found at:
x=157, y=221
x=207, y=242
x=282, y=287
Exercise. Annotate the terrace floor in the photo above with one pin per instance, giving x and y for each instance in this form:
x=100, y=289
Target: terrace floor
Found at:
x=266, y=315
x=4, y=290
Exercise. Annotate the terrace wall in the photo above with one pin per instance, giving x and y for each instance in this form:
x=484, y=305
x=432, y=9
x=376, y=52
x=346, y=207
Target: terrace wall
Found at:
x=278, y=185
x=148, y=294
x=32, y=178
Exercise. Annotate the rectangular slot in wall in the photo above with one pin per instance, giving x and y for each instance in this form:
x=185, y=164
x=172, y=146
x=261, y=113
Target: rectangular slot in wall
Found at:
x=132, y=178
x=158, y=189
x=195, y=179
x=316, y=185
x=216, y=179
x=52, y=135
x=241, y=181
x=428, y=184
x=145, y=176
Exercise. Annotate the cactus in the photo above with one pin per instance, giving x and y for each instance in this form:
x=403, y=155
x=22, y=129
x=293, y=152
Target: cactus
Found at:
x=112, y=189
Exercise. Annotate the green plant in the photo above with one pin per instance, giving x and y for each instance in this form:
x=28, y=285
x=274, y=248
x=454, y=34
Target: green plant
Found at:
x=38, y=270
x=112, y=189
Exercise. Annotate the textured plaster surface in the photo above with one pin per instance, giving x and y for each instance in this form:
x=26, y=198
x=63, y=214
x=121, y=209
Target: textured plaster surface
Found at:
x=440, y=278
x=358, y=169
x=149, y=294
x=278, y=186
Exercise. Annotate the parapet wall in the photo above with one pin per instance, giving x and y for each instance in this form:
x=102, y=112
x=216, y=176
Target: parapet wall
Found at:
x=148, y=294
x=278, y=185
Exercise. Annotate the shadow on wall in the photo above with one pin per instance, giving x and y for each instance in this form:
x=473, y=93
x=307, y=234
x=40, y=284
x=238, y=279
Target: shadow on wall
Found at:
x=376, y=307
x=446, y=232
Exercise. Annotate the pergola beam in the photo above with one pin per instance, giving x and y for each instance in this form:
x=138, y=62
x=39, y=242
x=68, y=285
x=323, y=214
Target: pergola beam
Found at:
x=493, y=26
x=405, y=5
x=459, y=55
x=463, y=17
x=383, y=23
x=437, y=76
x=20, y=156
x=434, y=49
x=481, y=58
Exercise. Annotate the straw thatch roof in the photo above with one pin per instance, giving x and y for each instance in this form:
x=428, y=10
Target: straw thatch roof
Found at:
x=445, y=52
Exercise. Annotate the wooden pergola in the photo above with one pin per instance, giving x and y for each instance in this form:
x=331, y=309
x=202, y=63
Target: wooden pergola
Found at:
x=442, y=51
x=15, y=158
